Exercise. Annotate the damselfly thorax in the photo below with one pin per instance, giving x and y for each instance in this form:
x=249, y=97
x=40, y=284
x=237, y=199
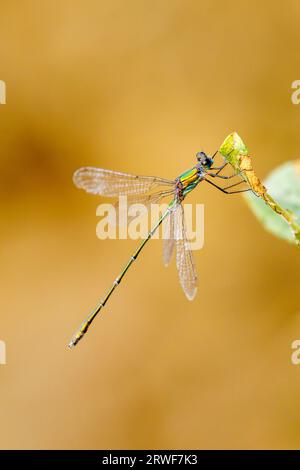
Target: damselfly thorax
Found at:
x=144, y=189
x=187, y=181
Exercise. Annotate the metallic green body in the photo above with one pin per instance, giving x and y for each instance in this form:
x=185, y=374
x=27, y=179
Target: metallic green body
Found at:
x=190, y=179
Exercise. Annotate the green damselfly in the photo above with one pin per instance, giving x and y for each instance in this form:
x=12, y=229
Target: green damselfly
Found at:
x=149, y=190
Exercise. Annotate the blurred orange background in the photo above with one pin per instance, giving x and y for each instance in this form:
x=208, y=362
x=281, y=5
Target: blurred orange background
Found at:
x=140, y=87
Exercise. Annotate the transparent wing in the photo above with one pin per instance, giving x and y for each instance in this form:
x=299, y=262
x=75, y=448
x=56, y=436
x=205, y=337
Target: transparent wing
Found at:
x=184, y=258
x=113, y=183
x=168, y=240
x=145, y=199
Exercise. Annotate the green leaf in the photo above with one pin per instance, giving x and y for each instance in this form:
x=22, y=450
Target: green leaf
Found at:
x=236, y=153
x=232, y=148
x=283, y=184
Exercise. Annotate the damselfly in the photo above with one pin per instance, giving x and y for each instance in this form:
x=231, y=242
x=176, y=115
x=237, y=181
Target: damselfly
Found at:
x=149, y=190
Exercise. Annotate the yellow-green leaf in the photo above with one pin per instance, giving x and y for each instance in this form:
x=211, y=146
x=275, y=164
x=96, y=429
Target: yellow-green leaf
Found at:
x=236, y=153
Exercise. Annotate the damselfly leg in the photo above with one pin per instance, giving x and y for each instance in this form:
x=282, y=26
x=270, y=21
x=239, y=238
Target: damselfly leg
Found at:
x=224, y=190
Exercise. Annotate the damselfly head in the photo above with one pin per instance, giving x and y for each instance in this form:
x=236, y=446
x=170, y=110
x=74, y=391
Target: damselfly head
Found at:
x=204, y=159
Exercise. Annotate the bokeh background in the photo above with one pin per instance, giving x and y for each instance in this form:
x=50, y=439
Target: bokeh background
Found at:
x=141, y=86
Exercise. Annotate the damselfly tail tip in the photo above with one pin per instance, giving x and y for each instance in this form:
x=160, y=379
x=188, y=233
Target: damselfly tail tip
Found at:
x=72, y=343
x=76, y=338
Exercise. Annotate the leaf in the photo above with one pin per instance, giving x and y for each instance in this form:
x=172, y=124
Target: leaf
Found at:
x=284, y=186
x=282, y=197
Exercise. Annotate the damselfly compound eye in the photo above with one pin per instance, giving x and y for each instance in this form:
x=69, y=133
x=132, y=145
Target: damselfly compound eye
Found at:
x=201, y=156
